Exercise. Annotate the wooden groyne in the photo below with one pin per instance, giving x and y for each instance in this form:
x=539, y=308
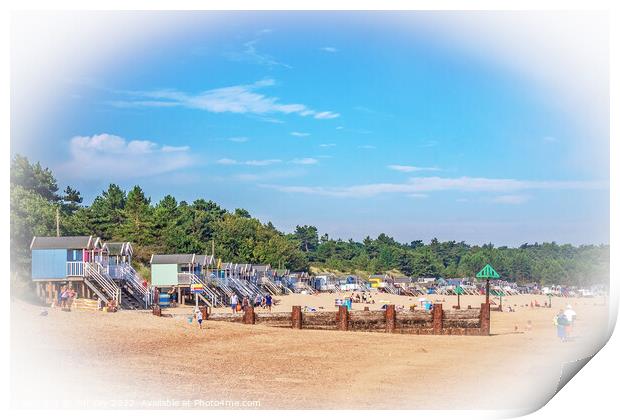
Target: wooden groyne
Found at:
x=438, y=321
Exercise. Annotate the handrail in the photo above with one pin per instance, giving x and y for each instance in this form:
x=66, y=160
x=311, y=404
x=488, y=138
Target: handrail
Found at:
x=131, y=275
x=266, y=281
x=194, y=279
x=75, y=269
x=98, y=273
x=243, y=288
x=252, y=287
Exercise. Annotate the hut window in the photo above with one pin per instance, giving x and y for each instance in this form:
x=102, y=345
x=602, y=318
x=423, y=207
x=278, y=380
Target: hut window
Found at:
x=74, y=255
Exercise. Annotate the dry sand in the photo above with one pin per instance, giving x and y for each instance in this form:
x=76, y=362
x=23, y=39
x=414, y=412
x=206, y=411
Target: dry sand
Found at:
x=133, y=359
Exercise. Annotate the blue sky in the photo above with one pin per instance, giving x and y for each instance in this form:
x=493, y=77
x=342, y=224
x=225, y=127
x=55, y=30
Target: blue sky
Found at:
x=476, y=127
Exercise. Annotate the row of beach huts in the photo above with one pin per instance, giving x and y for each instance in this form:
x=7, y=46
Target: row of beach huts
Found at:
x=103, y=271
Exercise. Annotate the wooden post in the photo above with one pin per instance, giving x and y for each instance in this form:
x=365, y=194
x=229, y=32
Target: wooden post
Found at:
x=156, y=310
x=437, y=318
x=248, y=315
x=487, y=293
x=343, y=318
x=485, y=319
x=390, y=318
x=296, y=318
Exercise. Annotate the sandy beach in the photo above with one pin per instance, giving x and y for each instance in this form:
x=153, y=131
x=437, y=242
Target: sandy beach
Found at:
x=133, y=359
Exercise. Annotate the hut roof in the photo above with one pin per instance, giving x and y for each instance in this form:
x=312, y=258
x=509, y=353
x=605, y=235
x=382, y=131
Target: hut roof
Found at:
x=260, y=268
x=173, y=259
x=64, y=242
x=205, y=260
x=119, y=248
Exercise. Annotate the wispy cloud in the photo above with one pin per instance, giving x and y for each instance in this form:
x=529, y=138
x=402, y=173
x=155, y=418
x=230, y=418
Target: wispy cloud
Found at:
x=329, y=49
x=408, y=168
x=325, y=145
x=227, y=161
x=421, y=185
x=93, y=156
x=255, y=162
x=239, y=99
x=429, y=143
x=326, y=115
x=263, y=162
x=511, y=199
x=549, y=139
x=238, y=139
x=299, y=134
x=250, y=53
x=305, y=161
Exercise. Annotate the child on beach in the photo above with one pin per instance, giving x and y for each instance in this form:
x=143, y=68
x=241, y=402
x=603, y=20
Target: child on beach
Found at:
x=234, y=300
x=528, y=326
x=199, y=318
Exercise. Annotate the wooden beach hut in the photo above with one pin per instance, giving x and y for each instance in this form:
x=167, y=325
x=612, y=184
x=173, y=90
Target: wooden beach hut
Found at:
x=76, y=261
x=173, y=272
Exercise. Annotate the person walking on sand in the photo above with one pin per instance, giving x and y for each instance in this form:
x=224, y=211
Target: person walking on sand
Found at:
x=268, y=301
x=570, y=315
x=234, y=301
x=560, y=322
x=257, y=301
x=64, y=297
x=199, y=318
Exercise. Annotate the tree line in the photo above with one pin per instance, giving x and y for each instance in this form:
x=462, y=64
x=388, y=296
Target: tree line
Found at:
x=171, y=226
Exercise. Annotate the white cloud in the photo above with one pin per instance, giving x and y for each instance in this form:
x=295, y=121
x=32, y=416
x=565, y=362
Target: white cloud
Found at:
x=250, y=53
x=175, y=149
x=93, y=156
x=226, y=161
x=305, y=161
x=239, y=139
x=239, y=99
x=263, y=162
x=329, y=49
x=408, y=168
x=327, y=145
x=299, y=134
x=325, y=115
x=430, y=184
x=511, y=199
x=417, y=195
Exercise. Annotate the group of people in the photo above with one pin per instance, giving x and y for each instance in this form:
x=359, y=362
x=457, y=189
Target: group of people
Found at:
x=565, y=322
x=264, y=302
x=363, y=298
x=65, y=297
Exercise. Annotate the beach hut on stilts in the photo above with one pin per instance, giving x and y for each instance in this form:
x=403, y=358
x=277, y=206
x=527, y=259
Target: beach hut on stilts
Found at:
x=91, y=268
x=174, y=274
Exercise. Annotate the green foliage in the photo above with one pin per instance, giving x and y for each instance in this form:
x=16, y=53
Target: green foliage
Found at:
x=178, y=227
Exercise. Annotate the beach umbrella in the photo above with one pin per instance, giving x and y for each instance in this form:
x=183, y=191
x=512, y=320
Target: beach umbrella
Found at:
x=487, y=273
